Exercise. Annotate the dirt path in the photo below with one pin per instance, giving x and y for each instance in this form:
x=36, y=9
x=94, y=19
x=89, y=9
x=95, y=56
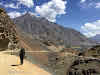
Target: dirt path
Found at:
x=6, y=68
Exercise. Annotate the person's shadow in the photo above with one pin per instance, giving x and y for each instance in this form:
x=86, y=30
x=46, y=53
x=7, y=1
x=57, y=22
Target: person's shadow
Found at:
x=16, y=65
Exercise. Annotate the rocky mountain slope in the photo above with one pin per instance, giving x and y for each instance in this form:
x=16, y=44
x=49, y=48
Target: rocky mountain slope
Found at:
x=40, y=28
x=96, y=38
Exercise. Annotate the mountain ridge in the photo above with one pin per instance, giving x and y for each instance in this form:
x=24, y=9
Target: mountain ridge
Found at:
x=96, y=38
x=41, y=28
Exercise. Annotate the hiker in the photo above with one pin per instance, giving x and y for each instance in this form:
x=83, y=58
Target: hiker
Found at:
x=22, y=55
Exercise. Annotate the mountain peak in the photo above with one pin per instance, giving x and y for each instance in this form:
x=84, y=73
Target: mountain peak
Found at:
x=28, y=14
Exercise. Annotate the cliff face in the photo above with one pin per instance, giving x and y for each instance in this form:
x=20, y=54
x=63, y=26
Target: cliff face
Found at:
x=7, y=30
x=42, y=29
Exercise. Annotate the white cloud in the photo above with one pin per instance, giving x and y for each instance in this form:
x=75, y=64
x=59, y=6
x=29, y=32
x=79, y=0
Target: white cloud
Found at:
x=51, y=9
x=82, y=1
x=28, y=3
x=1, y=4
x=11, y=6
x=15, y=14
x=91, y=29
x=97, y=5
x=89, y=4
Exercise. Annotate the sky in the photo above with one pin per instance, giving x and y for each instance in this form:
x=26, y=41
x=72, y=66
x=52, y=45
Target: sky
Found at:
x=81, y=15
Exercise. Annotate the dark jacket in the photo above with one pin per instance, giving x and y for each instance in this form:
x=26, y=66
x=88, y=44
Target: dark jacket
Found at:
x=22, y=53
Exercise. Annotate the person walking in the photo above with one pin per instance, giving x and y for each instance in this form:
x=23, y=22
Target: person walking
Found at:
x=22, y=55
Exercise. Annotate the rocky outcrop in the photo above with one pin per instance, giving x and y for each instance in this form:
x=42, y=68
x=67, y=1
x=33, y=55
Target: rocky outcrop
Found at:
x=93, y=52
x=68, y=64
x=85, y=66
x=7, y=30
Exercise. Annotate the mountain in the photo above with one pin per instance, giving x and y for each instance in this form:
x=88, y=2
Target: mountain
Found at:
x=96, y=38
x=40, y=28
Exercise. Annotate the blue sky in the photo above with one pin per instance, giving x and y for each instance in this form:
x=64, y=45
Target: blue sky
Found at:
x=82, y=15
